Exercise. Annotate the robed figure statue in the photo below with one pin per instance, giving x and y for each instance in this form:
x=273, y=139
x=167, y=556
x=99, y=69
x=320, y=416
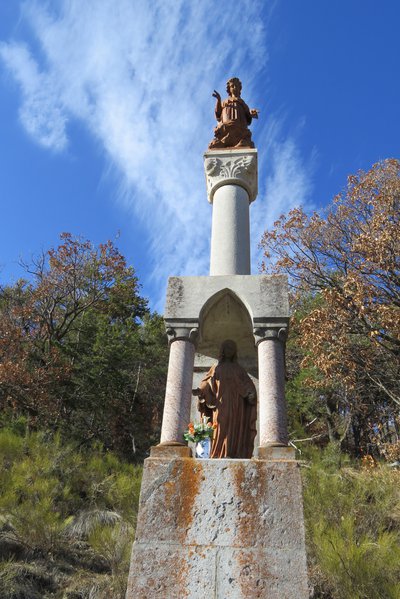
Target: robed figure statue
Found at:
x=227, y=396
x=234, y=117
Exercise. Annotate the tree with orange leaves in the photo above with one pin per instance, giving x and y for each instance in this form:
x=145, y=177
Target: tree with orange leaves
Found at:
x=79, y=349
x=348, y=260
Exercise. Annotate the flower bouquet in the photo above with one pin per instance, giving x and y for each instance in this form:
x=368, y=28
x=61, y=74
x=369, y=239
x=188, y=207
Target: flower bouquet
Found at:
x=201, y=434
x=199, y=430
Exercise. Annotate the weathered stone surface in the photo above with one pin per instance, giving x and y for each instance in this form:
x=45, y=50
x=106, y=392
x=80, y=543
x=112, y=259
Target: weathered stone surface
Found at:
x=265, y=296
x=171, y=451
x=171, y=572
x=276, y=453
x=219, y=528
x=260, y=574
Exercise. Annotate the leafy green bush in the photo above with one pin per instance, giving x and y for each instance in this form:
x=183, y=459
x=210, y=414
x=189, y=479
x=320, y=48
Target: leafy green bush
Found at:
x=353, y=530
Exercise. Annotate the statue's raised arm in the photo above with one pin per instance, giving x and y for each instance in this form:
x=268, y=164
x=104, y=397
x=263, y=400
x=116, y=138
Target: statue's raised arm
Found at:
x=218, y=105
x=234, y=117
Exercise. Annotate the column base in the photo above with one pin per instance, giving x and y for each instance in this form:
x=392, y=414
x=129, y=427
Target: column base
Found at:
x=277, y=453
x=169, y=450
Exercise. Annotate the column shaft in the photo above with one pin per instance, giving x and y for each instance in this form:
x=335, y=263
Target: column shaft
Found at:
x=230, y=233
x=178, y=392
x=271, y=371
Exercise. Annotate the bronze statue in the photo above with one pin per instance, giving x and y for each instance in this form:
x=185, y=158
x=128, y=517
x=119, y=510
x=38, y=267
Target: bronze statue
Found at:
x=227, y=396
x=234, y=117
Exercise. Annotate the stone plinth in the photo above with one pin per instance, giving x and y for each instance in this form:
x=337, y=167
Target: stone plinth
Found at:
x=228, y=529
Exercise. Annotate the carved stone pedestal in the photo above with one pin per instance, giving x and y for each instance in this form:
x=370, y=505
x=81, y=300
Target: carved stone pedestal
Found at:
x=228, y=529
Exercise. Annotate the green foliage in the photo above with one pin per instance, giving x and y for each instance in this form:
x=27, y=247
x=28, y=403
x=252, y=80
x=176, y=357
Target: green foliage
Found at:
x=113, y=543
x=11, y=448
x=302, y=402
x=116, y=389
x=353, y=529
x=67, y=518
x=305, y=401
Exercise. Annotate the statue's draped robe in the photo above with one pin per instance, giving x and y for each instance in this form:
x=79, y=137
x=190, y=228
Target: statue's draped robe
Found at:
x=224, y=398
x=235, y=110
x=233, y=120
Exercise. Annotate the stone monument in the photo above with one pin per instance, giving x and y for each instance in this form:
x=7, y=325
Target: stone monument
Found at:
x=230, y=527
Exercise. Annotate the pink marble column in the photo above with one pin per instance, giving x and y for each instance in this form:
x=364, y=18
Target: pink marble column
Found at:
x=271, y=375
x=178, y=394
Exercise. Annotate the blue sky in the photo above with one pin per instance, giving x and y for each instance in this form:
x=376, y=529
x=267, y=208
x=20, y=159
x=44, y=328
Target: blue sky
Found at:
x=106, y=110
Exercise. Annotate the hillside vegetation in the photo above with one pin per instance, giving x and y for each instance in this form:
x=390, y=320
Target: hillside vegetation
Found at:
x=352, y=515
x=67, y=519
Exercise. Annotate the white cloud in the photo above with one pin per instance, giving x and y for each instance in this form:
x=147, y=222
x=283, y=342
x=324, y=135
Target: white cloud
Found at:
x=41, y=112
x=139, y=75
x=287, y=182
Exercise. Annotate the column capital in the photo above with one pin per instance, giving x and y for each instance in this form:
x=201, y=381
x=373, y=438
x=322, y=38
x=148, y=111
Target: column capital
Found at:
x=231, y=167
x=271, y=333
x=181, y=331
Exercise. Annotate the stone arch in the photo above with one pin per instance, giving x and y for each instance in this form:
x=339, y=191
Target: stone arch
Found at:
x=226, y=316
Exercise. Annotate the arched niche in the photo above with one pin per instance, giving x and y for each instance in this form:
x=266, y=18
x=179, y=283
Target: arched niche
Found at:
x=225, y=316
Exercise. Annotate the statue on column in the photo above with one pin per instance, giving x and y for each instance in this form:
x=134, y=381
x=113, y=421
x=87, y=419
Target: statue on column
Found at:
x=234, y=117
x=228, y=397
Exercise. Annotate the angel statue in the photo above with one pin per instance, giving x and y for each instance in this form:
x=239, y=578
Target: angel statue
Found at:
x=234, y=117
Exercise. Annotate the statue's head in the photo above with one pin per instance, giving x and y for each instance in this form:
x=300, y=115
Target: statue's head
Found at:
x=234, y=87
x=228, y=351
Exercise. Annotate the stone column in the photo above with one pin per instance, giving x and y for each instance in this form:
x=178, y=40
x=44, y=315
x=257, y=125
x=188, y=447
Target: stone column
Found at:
x=178, y=392
x=231, y=177
x=271, y=376
x=230, y=232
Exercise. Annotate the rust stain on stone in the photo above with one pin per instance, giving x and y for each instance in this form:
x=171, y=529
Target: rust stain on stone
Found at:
x=247, y=514
x=192, y=475
x=250, y=482
x=181, y=491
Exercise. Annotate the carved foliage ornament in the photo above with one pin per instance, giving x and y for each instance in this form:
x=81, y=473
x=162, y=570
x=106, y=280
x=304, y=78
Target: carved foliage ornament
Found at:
x=237, y=167
x=241, y=170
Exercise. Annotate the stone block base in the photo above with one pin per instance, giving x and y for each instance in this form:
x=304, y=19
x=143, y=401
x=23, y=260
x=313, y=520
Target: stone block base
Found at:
x=277, y=452
x=170, y=451
x=228, y=529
